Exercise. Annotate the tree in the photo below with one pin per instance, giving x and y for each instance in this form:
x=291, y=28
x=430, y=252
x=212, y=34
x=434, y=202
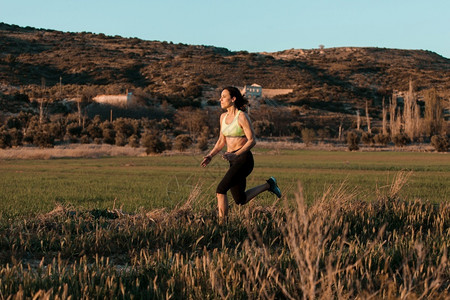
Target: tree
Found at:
x=384, y=118
x=369, y=129
x=191, y=119
x=411, y=114
x=433, y=113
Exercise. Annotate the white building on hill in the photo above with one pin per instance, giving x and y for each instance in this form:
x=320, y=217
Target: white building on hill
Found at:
x=117, y=100
x=252, y=91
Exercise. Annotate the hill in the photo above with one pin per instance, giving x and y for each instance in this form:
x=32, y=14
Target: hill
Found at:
x=321, y=78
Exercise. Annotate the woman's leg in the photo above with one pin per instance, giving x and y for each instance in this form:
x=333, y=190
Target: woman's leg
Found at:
x=253, y=192
x=241, y=196
x=222, y=203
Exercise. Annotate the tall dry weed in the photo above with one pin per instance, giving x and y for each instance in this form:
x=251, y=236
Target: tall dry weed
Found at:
x=339, y=247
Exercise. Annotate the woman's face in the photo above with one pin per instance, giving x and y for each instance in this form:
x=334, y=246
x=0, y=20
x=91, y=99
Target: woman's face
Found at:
x=225, y=99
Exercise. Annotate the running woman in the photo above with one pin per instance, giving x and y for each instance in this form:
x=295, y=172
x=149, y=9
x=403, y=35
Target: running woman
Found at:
x=236, y=132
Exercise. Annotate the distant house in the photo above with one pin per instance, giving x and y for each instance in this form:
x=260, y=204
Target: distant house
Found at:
x=117, y=100
x=252, y=91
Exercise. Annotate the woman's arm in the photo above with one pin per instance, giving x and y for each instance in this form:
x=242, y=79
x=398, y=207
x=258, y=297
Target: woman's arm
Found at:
x=221, y=142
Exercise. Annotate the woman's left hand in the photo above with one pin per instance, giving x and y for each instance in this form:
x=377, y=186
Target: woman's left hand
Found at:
x=229, y=156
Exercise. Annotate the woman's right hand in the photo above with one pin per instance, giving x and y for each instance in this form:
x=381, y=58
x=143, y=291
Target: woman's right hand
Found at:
x=206, y=160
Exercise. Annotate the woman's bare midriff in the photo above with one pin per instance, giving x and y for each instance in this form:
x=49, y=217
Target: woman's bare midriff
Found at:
x=235, y=143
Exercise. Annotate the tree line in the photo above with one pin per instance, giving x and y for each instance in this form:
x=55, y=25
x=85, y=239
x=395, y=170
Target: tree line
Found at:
x=165, y=128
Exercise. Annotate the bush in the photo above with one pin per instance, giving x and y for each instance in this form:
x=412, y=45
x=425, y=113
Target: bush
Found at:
x=401, y=139
x=109, y=136
x=95, y=131
x=323, y=133
x=124, y=126
x=44, y=139
x=182, y=142
x=440, y=143
x=16, y=137
x=308, y=136
x=133, y=141
x=263, y=128
x=167, y=142
x=353, y=141
x=74, y=131
x=382, y=139
x=151, y=141
x=85, y=139
x=56, y=129
x=5, y=138
x=296, y=128
x=367, y=138
x=202, y=143
x=29, y=136
x=121, y=139
x=98, y=141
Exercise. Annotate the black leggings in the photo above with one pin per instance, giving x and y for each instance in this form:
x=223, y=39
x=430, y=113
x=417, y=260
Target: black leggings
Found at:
x=235, y=178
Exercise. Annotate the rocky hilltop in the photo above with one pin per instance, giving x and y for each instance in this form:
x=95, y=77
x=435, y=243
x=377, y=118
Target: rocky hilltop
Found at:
x=67, y=63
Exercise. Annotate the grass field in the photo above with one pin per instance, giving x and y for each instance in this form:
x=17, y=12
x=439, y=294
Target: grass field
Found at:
x=374, y=237
x=28, y=187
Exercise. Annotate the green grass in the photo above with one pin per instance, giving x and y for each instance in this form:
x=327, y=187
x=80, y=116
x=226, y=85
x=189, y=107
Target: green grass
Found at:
x=28, y=187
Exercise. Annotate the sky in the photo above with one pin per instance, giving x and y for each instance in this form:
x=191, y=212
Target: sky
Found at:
x=251, y=25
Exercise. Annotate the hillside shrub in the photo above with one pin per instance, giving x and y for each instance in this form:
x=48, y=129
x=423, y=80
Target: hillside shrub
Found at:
x=152, y=142
x=353, y=141
x=182, y=142
x=401, y=139
x=440, y=143
x=308, y=136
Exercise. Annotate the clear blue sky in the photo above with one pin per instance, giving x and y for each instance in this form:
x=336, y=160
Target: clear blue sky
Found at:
x=252, y=25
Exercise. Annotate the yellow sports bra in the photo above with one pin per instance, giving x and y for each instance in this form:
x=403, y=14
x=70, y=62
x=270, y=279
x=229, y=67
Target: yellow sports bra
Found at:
x=233, y=129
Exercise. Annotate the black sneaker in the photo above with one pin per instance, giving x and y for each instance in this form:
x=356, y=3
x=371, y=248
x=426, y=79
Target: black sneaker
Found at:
x=274, y=187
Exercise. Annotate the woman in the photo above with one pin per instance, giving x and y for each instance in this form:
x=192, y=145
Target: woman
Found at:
x=237, y=134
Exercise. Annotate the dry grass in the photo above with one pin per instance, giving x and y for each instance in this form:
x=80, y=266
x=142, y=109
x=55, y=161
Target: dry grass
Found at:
x=105, y=150
x=70, y=151
x=337, y=248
